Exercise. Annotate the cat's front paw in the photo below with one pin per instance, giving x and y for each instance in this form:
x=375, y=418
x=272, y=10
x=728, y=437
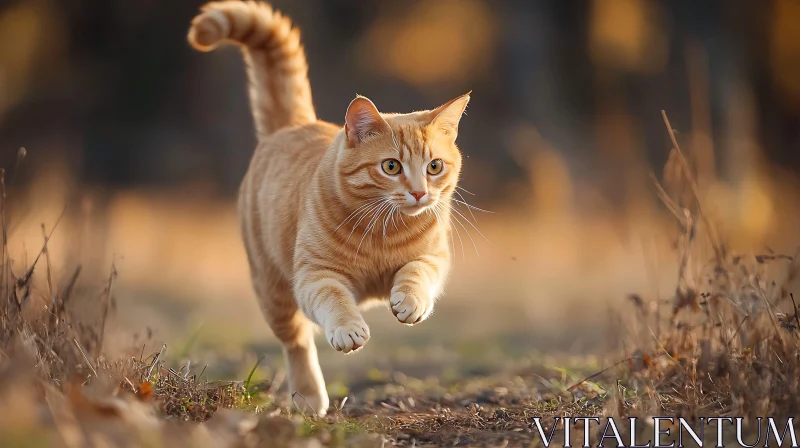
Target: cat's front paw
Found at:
x=409, y=306
x=348, y=337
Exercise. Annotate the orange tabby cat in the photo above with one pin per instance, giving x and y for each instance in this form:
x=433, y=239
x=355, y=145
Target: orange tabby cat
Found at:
x=331, y=215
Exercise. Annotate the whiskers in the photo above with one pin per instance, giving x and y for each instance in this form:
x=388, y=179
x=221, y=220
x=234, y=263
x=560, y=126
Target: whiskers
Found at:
x=460, y=219
x=385, y=207
x=374, y=213
x=358, y=211
x=379, y=216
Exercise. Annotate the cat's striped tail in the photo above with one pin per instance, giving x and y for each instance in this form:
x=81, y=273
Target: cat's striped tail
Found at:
x=280, y=94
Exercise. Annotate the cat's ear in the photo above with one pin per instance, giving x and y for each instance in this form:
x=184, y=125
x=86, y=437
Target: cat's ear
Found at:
x=446, y=117
x=363, y=121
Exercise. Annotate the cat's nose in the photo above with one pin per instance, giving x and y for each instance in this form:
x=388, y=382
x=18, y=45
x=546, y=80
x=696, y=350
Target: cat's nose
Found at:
x=418, y=194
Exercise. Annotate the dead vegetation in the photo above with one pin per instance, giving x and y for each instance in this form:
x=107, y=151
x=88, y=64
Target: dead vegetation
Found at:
x=726, y=343
x=58, y=387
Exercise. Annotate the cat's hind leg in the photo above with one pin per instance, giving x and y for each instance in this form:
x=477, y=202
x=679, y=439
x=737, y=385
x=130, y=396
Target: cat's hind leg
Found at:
x=296, y=334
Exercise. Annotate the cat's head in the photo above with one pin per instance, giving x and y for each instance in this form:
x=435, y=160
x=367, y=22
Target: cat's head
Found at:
x=410, y=161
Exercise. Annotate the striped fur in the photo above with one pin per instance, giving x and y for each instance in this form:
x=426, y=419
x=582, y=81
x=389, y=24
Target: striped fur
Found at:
x=326, y=229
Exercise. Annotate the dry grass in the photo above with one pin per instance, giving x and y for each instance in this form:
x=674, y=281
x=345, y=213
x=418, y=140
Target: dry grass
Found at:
x=722, y=344
x=726, y=343
x=58, y=388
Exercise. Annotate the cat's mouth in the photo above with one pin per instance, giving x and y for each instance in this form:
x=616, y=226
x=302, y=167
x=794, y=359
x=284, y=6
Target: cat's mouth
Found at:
x=413, y=210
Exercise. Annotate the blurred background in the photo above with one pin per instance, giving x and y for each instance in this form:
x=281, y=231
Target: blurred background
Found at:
x=144, y=141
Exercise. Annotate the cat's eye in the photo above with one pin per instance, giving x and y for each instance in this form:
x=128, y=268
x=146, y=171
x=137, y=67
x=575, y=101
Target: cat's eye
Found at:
x=435, y=167
x=391, y=166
